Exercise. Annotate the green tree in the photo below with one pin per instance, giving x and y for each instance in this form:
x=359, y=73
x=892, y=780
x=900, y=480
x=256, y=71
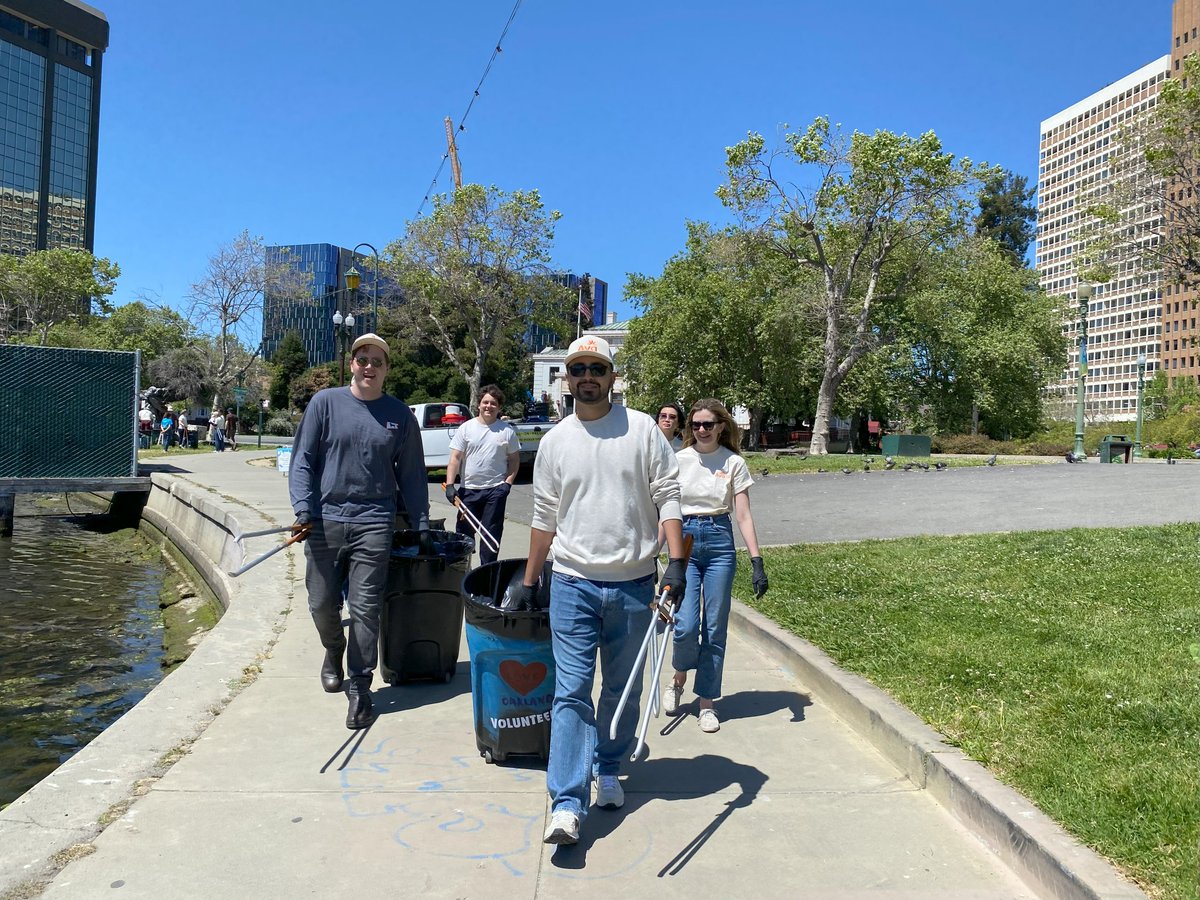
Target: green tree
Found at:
x=289, y=362
x=49, y=287
x=1007, y=213
x=302, y=388
x=863, y=213
x=728, y=319
x=472, y=270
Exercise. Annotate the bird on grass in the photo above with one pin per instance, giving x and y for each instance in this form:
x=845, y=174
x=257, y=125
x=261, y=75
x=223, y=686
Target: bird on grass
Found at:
x=939, y=466
x=1070, y=456
x=908, y=467
x=889, y=463
x=924, y=467
x=766, y=472
x=846, y=472
x=991, y=460
x=822, y=471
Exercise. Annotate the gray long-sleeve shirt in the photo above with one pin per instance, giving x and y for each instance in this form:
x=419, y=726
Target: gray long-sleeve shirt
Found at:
x=351, y=457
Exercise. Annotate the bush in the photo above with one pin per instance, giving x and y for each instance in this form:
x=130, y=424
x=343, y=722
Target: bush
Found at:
x=280, y=423
x=963, y=443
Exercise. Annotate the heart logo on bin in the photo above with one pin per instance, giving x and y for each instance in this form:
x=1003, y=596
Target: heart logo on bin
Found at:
x=520, y=677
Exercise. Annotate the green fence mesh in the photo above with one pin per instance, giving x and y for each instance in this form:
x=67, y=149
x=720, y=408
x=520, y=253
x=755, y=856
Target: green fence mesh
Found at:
x=67, y=413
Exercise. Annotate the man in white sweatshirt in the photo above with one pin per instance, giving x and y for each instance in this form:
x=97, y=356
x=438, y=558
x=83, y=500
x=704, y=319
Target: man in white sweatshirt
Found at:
x=605, y=478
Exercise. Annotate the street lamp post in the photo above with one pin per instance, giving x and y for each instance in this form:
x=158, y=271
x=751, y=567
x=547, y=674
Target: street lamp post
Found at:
x=1084, y=293
x=374, y=285
x=342, y=328
x=262, y=406
x=1137, y=435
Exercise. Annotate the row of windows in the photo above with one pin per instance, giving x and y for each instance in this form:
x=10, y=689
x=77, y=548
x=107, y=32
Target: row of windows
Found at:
x=1099, y=110
x=39, y=35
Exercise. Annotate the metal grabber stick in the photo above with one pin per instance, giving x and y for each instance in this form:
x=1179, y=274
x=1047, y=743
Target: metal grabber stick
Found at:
x=664, y=607
x=300, y=535
x=484, y=535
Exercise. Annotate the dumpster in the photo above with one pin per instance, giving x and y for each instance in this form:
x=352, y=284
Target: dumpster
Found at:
x=1116, y=448
x=420, y=624
x=906, y=444
x=512, y=664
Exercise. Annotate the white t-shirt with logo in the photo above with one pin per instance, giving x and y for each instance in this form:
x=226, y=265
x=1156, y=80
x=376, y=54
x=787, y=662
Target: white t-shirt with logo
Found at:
x=708, y=482
x=485, y=450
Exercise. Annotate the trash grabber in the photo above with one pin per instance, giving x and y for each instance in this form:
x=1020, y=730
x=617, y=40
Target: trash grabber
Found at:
x=484, y=535
x=635, y=672
x=298, y=536
x=264, y=532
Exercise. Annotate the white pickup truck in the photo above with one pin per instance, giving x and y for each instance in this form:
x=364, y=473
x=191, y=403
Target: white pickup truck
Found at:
x=439, y=422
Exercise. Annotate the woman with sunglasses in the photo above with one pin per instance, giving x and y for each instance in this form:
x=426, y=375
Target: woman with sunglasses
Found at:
x=714, y=483
x=670, y=422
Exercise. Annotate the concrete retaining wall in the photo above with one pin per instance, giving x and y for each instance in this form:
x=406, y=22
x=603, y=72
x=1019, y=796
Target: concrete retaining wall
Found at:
x=70, y=806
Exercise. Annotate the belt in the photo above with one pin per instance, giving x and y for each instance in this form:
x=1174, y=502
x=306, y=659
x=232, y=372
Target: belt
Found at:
x=723, y=515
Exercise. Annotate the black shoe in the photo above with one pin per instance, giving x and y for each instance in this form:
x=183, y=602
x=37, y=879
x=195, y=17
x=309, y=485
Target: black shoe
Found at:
x=332, y=673
x=359, y=715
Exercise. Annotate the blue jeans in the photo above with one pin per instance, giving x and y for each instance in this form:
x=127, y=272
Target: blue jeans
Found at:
x=586, y=617
x=700, y=642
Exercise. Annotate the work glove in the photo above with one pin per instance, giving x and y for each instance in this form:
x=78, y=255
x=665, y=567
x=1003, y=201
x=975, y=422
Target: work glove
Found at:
x=425, y=543
x=674, y=578
x=759, y=578
x=451, y=493
x=302, y=526
x=523, y=597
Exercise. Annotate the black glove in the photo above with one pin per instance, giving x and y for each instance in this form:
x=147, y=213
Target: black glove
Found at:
x=451, y=493
x=302, y=526
x=675, y=578
x=425, y=543
x=759, y=578
x=523, y=597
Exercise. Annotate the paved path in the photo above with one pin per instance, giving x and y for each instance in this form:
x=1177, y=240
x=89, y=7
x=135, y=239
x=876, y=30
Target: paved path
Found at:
x=278, y=799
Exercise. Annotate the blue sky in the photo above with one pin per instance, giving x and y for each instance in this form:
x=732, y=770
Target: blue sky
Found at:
x=308, y=121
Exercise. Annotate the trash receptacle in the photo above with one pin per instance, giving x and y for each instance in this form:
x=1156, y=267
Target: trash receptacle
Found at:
x=512, y=664
x=420, y=624
x=193, y=437
x=1116, y=448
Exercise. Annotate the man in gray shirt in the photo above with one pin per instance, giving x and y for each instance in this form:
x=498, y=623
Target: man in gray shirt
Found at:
x=355, y=449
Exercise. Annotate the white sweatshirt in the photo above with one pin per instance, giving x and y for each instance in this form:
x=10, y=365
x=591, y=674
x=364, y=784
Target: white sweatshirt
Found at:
x=602, y=487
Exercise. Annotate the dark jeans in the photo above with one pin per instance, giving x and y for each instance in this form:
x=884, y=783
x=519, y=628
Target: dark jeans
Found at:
x=340, y=552
x=488, y=506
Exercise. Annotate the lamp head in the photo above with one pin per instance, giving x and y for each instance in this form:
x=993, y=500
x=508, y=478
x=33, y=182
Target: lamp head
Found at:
x=349, y=320
x=1083, y=290
x=353, y=279
x=337, y=317
x=1141, y=360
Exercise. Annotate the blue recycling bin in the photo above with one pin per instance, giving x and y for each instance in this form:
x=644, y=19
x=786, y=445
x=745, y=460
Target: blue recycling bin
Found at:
x=512, y=664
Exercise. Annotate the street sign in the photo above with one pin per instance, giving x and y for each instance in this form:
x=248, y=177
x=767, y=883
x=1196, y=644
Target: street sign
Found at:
x=239, y=394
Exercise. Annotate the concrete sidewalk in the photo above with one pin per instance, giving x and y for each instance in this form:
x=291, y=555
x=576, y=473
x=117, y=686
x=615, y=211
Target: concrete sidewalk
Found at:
x=278, y=799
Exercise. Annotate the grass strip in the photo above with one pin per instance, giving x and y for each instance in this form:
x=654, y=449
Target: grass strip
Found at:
x=1066, y=662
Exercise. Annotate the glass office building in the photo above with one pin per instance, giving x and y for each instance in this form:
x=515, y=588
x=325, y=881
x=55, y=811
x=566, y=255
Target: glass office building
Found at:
x=50, y=55
x=591, y=311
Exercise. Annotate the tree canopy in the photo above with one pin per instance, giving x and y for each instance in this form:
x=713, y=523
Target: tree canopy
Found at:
x=1007, y=213
x=48, y=287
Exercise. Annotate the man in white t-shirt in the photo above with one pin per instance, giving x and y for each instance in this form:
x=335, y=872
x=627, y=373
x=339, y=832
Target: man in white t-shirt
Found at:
x=604, y=480
x=488, y=453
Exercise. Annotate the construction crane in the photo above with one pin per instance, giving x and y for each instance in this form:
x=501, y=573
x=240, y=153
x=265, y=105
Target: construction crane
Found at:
x=452, y=149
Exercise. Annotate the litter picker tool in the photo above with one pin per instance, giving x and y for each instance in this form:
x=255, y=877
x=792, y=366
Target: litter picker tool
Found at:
x=299, y=535
x=264, y=532
x=484, y=535
x=658, y=633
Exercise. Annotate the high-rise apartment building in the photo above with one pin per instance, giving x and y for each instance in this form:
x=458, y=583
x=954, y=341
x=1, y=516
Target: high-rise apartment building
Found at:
x=1180, y=353
x=50, y=55
x=1125, y=314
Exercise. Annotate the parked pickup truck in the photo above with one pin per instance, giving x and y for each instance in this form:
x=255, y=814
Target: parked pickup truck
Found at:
x=439, y=422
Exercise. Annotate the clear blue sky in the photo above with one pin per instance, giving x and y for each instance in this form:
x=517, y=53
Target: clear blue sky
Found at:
x=307, y=121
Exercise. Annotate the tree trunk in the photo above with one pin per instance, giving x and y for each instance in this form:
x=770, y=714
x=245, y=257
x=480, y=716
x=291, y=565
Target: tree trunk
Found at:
x=820, y=429
x=974, y=418
x=754, y=428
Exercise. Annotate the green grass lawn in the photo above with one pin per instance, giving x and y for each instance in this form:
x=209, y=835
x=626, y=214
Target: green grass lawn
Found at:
x=835, y=462
x=1066, y=662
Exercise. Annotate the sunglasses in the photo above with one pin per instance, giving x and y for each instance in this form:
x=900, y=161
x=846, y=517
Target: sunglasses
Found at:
x=597, y=370
x=703, y=426
x=671, y=416
x=364, y=361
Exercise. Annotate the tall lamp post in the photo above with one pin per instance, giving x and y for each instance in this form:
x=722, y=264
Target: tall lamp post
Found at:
x=1084, y=293
x=1137, y=435
x=343, y=327
x=374, y=285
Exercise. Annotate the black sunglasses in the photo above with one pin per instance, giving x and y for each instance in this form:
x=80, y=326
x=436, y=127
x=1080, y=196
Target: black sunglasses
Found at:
x=597, y=370
x=703, y=426
x=362, y=361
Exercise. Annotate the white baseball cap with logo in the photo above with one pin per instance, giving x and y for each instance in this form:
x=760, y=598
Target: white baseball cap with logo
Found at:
x=589, y=347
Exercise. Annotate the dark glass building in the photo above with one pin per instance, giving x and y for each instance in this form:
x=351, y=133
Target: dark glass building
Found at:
x=592, y=310
x=319, y=270
x=50, y=54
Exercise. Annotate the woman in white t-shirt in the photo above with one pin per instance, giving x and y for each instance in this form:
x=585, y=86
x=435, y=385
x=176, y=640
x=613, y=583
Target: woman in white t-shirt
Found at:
x=488, y=452
x=714, y=482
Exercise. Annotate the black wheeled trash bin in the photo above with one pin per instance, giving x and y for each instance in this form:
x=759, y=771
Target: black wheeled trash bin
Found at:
x=421, y=621
x=512, y=664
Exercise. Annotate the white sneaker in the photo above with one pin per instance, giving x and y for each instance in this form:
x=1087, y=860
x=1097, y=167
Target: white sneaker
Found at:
x=671, y=694
x=709, y=721
x=563, y=828
x=609, y=793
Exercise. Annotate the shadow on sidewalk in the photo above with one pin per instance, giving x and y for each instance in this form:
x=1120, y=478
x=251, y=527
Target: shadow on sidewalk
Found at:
x=391, y=698
x=669, y=779
x=753, y=704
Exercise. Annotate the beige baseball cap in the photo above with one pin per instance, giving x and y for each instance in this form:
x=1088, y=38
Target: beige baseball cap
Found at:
x=372, y=338
x=589, y=347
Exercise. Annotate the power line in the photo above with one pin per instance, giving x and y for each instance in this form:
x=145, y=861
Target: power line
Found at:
x=474, y=96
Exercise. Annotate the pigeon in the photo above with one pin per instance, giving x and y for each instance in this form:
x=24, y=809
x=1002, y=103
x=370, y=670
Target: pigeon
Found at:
x=889, y=464
x=991, y=460
x=924, y=467
x=939, y=466
x=846, y=471
x=1070, y=456
x=822, y=471
x=908, y=467
x=766, y=472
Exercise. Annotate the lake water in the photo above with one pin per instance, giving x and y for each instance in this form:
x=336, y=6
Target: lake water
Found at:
x=80, y=634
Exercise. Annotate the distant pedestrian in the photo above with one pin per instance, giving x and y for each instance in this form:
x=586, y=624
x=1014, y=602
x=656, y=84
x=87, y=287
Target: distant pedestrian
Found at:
x=713, y=483
x=181, y=428
x=488, y=453
x=216, y=432
x=167, y=434
x=231, y=428
x=356, y=452
x=670, y=421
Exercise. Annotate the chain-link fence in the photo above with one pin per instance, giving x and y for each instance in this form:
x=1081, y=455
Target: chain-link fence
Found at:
x=67, y=413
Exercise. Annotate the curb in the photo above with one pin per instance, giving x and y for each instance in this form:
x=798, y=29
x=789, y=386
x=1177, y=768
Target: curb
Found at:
x=1032, y=845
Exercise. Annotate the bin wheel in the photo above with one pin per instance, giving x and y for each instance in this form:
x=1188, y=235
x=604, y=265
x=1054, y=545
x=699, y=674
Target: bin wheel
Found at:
x=487, y=757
